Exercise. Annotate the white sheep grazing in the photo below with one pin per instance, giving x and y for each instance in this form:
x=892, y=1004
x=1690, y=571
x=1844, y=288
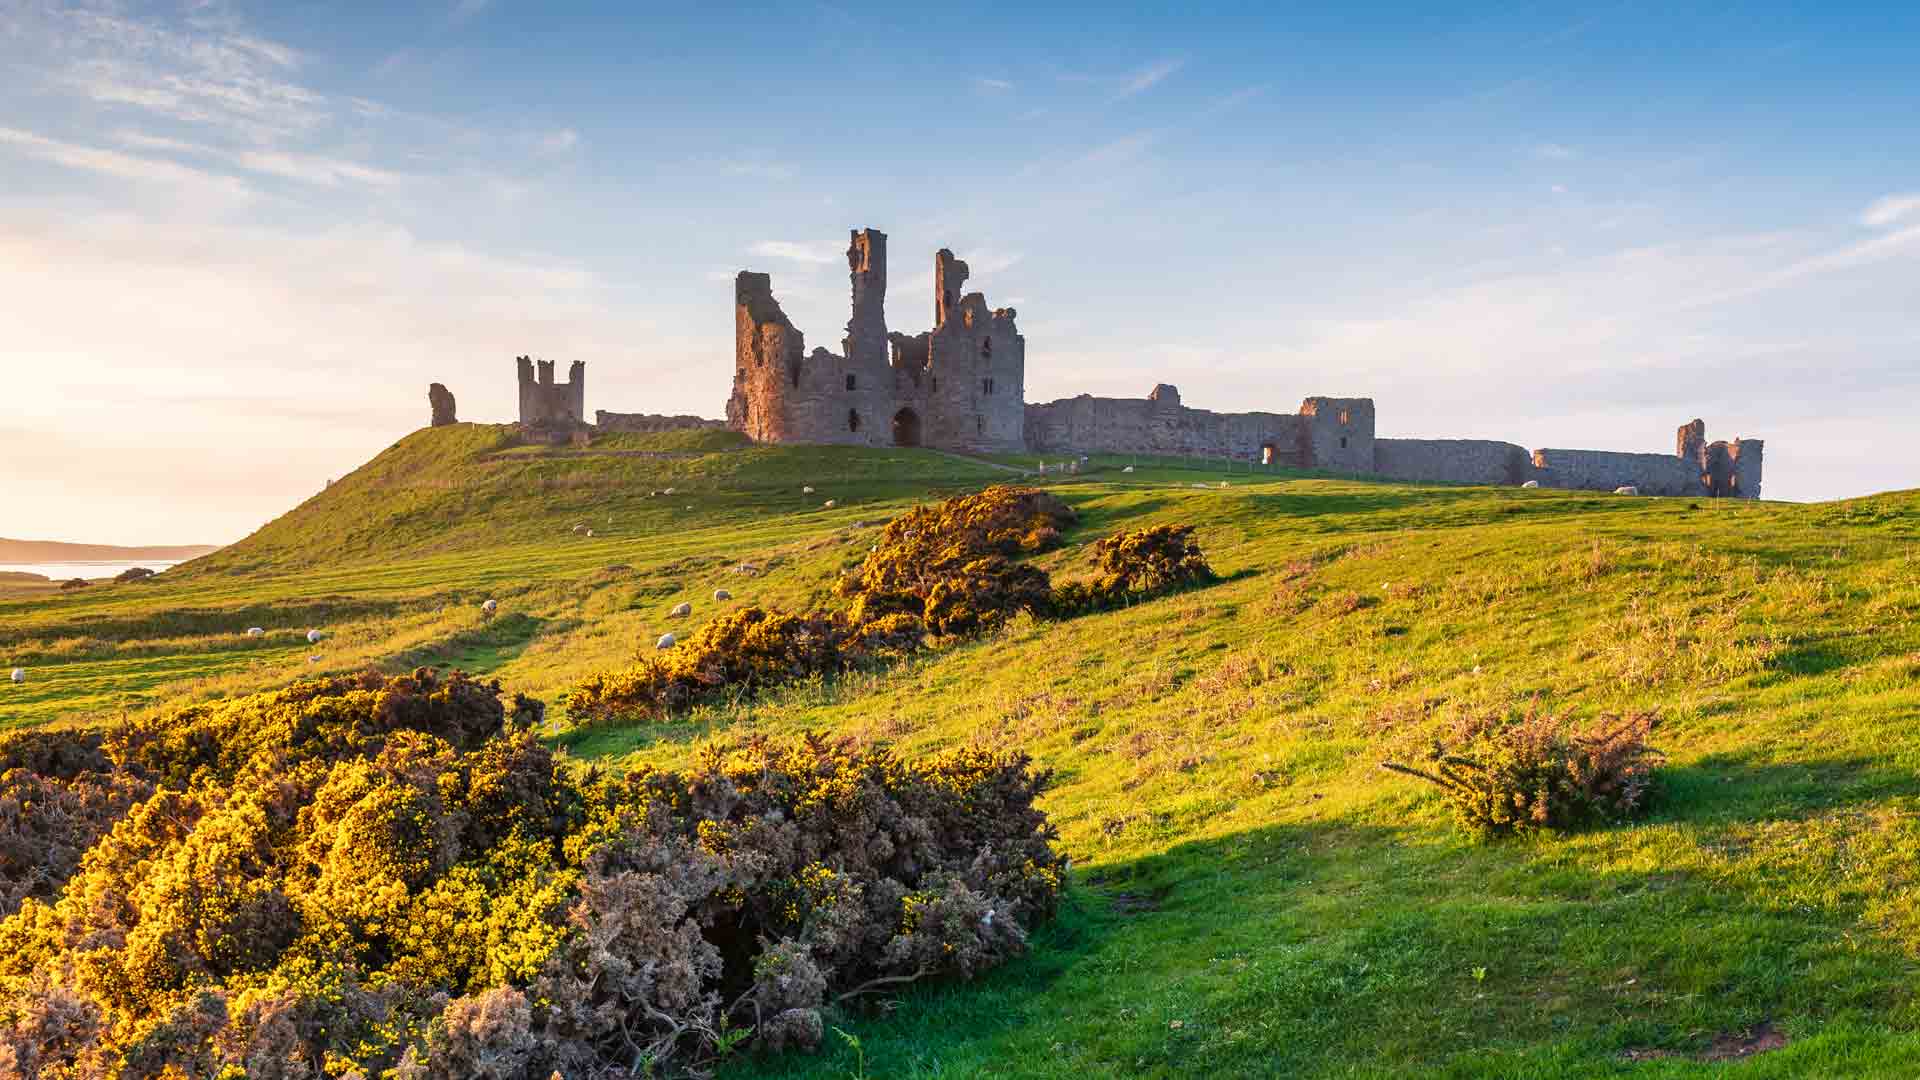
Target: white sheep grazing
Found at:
x=254, y=631
x=589, y=534
x=808, y=490
x=721, y=594
x=666, y=491
x=1531, y=484
x=1626, y=489
x=1127, y=469
x=828, y=505
x=19, y=674
x=581, y=528
x=314, y=636
x=681, y=610
x=490, y=606
x=666, y=641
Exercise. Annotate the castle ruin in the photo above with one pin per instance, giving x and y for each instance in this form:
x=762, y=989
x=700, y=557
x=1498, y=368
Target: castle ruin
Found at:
x=959, y=386
x=1337, y=435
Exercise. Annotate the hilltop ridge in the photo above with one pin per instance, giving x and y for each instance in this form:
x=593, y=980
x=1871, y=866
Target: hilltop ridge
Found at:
x=44, y=551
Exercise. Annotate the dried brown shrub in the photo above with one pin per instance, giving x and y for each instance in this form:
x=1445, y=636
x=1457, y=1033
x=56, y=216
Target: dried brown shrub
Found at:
x=1506, y=773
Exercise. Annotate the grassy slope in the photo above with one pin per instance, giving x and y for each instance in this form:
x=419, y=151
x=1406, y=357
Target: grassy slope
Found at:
x=393, y=561
x=1255, y=896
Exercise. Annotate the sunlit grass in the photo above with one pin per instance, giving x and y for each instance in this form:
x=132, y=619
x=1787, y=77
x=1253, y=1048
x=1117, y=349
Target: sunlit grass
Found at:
x=1254, y=896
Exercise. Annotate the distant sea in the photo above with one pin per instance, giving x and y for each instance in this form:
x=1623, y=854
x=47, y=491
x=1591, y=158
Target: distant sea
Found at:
x=61, y=571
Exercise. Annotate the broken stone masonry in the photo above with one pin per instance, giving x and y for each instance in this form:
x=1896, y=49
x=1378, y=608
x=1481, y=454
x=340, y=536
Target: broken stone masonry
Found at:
x=544, y=403
x=961, y=386
x=440, y=399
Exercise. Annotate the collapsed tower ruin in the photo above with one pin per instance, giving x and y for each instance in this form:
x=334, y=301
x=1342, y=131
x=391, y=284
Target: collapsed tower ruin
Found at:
x=545, y=403
x=959, y=386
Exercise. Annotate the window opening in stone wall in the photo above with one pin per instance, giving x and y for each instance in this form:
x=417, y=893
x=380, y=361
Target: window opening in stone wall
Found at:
x=796, y=376
x=1266, y=454
x=936, y=383
x=979, y=426
x=1345, y=419
x=853, y=417
x=850, y=381
x=986, y=348
x=1343, y=442
x=986, y=386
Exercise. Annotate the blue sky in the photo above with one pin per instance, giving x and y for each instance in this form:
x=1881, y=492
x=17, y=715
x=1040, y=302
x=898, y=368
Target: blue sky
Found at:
x=237, y=240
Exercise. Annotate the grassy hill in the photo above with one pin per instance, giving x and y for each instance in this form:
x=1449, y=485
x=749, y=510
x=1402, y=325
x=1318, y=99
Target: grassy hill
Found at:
x=1253, y=895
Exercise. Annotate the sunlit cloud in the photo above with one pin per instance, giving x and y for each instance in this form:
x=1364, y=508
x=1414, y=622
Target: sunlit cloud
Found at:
x=1890, y=210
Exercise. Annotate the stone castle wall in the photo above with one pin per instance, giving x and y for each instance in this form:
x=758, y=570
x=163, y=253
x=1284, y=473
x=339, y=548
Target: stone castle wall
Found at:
x=1452, y=461
x=958, y=386
x=1337, y=435
x=1602, y=470
x=1159, y=424
x=650, y=422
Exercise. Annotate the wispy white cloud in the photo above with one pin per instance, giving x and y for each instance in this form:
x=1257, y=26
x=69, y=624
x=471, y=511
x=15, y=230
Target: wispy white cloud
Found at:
x=1550, y=151
x=987, y=260
x=1890, y=209
x=1117, y=151
x=997, y=86
x=195, y=71
x=319, y=169
x=316, y=168
x=122, y=165
x=1150, y=76
x=818, y=254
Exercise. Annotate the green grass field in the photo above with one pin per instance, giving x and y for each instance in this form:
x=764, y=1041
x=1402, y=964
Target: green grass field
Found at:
x=1252, y=895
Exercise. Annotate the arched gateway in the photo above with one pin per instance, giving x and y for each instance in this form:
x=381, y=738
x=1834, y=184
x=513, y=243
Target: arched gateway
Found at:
x=906, y=428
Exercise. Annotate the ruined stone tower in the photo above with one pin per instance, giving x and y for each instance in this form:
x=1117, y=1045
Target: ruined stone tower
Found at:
x=546, y=403
x=959, y=386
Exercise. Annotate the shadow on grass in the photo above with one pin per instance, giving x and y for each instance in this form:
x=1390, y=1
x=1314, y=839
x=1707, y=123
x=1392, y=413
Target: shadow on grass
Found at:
x=483, y=648
x=175, y=622
x=1335, y=949
x=1722, y=788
